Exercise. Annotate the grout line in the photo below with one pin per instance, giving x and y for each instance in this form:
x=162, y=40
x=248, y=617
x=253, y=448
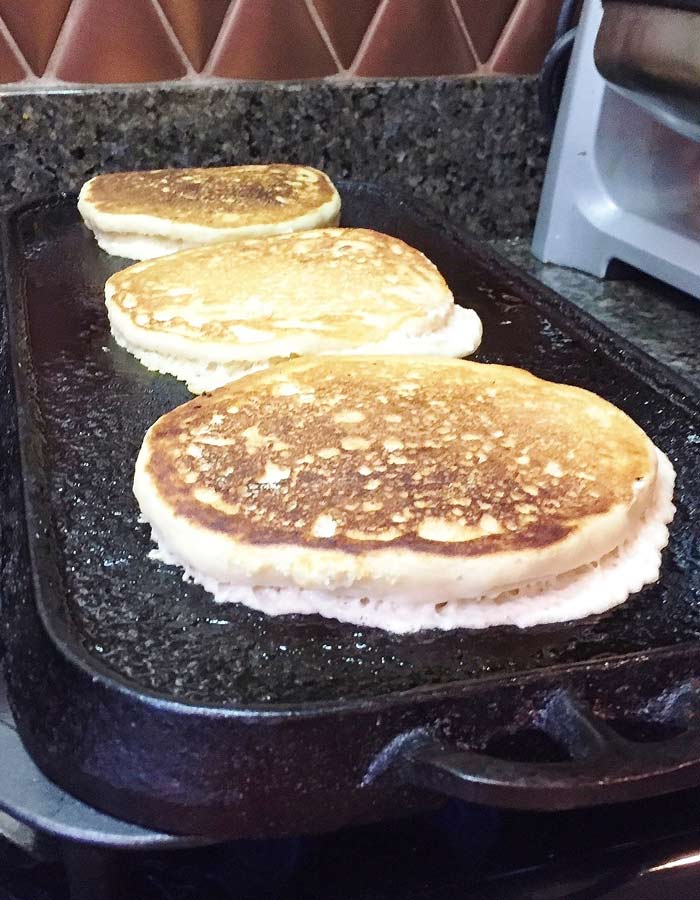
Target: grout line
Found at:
x=222, y=25
x=19, y=56
x=73, y=12
x=34, y=84
x=505, y=33
x=325, y=37
x=367, y=37
x=465, y=31
x=225, y=23
x=174, y=40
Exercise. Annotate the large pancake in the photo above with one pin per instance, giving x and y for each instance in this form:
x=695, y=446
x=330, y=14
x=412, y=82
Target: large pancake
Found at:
x=209, y=315
x=418, y=480
x=141, y=215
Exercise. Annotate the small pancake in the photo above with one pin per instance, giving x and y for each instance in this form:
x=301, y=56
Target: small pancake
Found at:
x=384, y=491
x=141, y=215
x=215, y=313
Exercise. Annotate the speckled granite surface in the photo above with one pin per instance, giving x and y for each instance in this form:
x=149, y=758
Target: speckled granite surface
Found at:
x=472, y=146
x=660, y=320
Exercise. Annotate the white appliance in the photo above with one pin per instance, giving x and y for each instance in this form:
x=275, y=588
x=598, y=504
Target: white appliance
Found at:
x=623, y=177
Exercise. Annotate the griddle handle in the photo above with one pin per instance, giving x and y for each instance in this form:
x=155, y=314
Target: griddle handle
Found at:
x=602, y=767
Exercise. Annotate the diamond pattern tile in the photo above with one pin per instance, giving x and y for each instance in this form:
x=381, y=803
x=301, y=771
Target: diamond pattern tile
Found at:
x=260, y=43
x=527, y=38
x=121, y=41
x=112, y=41
x=196, y=24
x=11, y=69
x=485, y=22
x=346, y=24
x=404, y=41
x=35, y=25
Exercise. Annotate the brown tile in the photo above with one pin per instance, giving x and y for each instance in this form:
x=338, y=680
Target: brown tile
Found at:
x=346, y=24
x=527, y=38
x=11, y=69
x=268, y=40
x=35, y=25
x=485, y=22
x=196, y=24
x=412, y=37
x=112, y=41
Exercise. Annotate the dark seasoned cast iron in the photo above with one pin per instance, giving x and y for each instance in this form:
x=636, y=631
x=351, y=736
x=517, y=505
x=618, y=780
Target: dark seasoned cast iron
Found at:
x=136, y=693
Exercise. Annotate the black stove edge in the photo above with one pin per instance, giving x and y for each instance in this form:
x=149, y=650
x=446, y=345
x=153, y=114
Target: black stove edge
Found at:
x=30, y=798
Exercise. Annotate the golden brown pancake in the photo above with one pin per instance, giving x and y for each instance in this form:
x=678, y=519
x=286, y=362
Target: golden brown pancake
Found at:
x=421, y=482
x=211, y=314
x=172, y=209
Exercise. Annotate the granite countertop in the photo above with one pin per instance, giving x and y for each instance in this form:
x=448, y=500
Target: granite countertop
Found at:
x=473, y=147
x=660, y=320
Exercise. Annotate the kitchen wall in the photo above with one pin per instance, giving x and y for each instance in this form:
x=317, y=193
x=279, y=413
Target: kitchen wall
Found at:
x=51, y=43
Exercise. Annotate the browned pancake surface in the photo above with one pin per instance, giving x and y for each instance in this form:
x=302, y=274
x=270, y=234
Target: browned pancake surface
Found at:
x=225, y=197
x=425, y=454
x=350, y=284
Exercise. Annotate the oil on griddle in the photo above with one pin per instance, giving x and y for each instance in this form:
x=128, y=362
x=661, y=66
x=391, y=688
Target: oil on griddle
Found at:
x=143, y=622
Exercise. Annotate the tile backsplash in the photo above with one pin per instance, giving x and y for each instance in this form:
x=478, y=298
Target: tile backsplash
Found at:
x=51, y=43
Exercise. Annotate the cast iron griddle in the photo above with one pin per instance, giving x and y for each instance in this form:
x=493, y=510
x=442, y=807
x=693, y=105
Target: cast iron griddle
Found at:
x=131, y=628
x=142, y=621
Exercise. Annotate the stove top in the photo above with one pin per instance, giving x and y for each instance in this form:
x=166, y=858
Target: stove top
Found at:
x=647, y=851
x=469, y=853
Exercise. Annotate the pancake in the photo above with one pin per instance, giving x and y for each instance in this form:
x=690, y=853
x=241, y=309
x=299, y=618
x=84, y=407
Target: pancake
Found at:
x=407, y=493
x=211, y=315
x=141, y=215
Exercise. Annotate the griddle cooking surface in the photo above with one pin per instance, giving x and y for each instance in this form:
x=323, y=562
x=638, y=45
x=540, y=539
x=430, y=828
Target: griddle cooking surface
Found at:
x=141, y=621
